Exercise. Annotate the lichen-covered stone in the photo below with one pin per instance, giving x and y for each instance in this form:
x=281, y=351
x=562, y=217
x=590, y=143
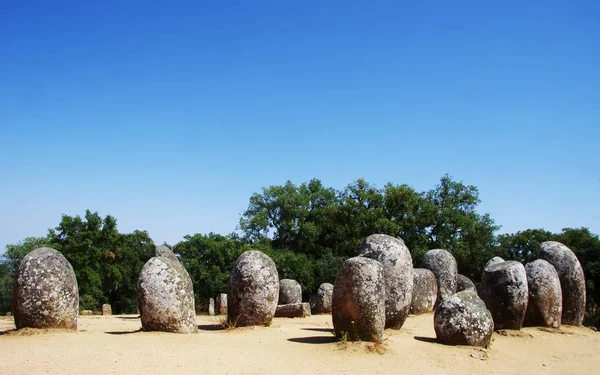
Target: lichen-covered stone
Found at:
x=253, y=290
x=425, y=291
x=358, y=307
x=106, y=309
x=572, y=280
x=166, y=297
x=395, y=257
x=320, y=303
x=290, y=291
x=545, y=296
x=211, y=306
x=222, y=304
x=463, y=319
x=505, y=293
x=293, y=310
x=86, y=312
x=45, y=293
x=164, y=251
x=464, y=283
x=491, y=262
x=443, y=265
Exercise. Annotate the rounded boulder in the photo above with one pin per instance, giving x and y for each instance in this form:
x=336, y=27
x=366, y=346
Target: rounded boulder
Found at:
x=358, y=310
x=464, y=283
x=425, y=291
x=443, y=265
x=166, y=297
x=320, y=303
x=253, y=290
x=290, y=291
x=505, y=293
x=545, y=296
x=395, y=257
x=463, y=319
x=572, y=280
x=45, y=293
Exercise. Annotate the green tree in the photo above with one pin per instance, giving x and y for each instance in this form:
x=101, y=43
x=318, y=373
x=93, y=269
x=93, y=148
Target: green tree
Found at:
x=522, y=246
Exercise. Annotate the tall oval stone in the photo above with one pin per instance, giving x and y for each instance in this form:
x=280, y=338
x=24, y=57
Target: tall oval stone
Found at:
x=505, y=293
x=443, y=265
x=166, y=297
x=464, y=283
x=253, y=290
x=395, y=257
x=491, y=262
x=320, y=303
x=290, y=291
x=572, y=280
x=45, y=293
x=425, y=291
x=463, y=319
x=358, y=309
x=545, y=296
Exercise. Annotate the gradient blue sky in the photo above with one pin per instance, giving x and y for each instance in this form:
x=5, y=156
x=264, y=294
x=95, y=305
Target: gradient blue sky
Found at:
x=169, y=115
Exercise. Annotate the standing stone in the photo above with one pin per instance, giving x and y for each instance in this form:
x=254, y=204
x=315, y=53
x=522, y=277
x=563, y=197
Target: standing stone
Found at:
x=320, y=303
x=572, y=280
x=359, y=300
x=491, y=262
x=222, y=304
x=106, y=309
x=464, y=283
x=443, y=265
x=425, y=291
x=463, y=319
x=395, y=257
x=293, y=310
x=211, y=307
x=166, y=297
x=505, y=293
x=164, y=251
x=545, y=296
x=290, y=291
x=253, y=290
x=45, y=293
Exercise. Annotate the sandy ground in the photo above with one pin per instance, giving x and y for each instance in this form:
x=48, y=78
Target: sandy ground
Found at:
x=290, y=346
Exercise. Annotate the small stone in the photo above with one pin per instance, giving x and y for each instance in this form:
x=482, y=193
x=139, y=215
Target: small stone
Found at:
x=425, y=291
x=106, y=309
x=211, y=306
x=290, y=291
x=86, y=312
x=293, y=310
x=320, y=303
x=222, y=304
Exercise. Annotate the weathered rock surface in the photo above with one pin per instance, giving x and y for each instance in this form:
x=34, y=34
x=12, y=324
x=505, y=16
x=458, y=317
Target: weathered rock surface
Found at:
x=395, y=257
x=253, y=290
x=106, y=309
x=464, y=283
x=320, y=303
x=86, y=312
x=425, y=291
x=211, y=306
x=45, y=293
x=164, y=251
x=505, y=293
x=491, y=262
x=545, y=296
x=293, y=310
x=572, y=280
x=443, y=265
x=222, y=304
x=463, y=319
x=290, y=291
x=358, y=307
x=166, y=297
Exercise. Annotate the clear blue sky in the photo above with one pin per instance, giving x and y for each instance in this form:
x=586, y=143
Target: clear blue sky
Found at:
x=169, y=115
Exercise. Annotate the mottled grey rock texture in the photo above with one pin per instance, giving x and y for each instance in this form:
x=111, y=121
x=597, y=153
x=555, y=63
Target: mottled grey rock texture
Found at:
x=106, y=309
x=505, y=293
x=425, y=291
x=545, y=296
x=166, y=297
x=464, y=283
x=463, y=319
x=211, y=306
x=86, y=312
x=45, y=293
x=290, y=291
x=253, y=290
x=395, y=257
x=491, y=262
x=572, y=280
x=358, y=307
x=443, y=265
x=320, y=303
x=164, y=251
x=293, y=310
x=222, y=304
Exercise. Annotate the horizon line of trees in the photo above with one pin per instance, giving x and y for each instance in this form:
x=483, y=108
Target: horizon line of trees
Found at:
x=308, y=230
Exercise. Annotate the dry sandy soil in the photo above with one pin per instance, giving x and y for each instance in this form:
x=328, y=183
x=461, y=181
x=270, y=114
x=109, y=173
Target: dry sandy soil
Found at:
x=115, y=344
